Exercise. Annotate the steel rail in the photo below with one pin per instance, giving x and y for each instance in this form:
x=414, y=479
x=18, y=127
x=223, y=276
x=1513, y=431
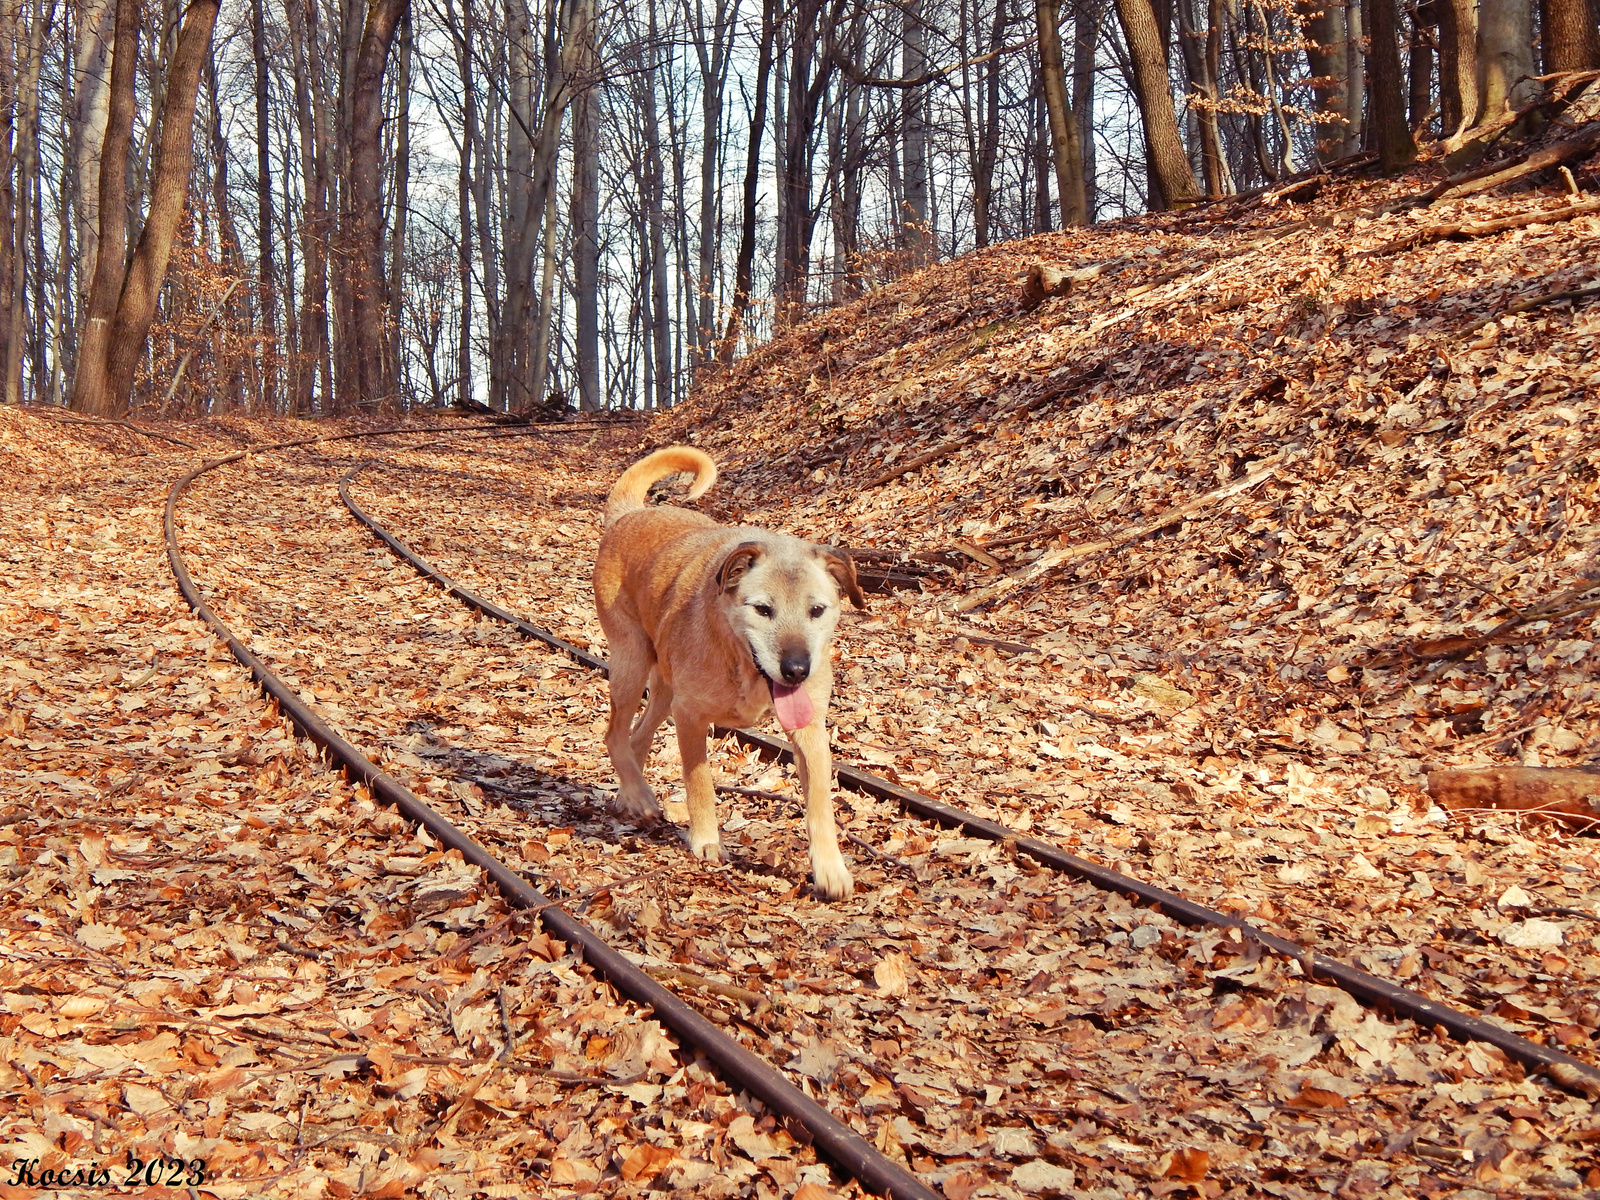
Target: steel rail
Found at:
x=1564, y=1069
x=848, y=1150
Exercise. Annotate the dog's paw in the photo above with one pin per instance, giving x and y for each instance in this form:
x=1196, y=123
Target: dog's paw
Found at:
x=640, y=805
x=831, y=880
x=710, y=850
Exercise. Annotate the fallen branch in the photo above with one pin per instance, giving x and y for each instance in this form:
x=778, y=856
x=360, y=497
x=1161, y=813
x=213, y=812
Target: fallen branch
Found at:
x=165, y=437
x=1470, y=143
x=1560, y=792
x=1565, y=604
x=755, y=1000
x=1532, y=302
x=1580, y=145
x=1133, y=533
x=978, y=555
x=1476, y=229
x=941, y=451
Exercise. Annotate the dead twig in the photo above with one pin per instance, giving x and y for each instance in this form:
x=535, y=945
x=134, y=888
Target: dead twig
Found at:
x=891, y=859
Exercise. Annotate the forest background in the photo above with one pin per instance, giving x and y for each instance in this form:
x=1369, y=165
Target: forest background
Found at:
x=320, y=206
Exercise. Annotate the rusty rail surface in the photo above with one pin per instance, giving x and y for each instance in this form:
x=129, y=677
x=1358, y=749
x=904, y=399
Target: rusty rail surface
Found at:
x=1564, y=1069
x=847, y=1149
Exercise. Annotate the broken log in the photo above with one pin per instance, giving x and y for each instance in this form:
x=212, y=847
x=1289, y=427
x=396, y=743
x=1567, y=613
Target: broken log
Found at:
x=1563, y=793
x=1043, y=282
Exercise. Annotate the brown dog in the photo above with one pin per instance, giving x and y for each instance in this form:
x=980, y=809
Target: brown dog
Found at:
x=724, y=625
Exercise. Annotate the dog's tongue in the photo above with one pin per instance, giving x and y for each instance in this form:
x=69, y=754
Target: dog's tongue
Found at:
x=793, y=706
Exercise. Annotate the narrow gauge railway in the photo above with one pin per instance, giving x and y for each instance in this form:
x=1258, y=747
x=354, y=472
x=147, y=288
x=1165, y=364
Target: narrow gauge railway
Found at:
x=1074, y=1037
x=636, y=1043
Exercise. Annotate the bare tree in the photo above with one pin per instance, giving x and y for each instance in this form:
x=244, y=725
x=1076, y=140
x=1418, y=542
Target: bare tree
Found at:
x=91, y=391
x=1169, y=161
x=1067, y=152
x=1396, y=147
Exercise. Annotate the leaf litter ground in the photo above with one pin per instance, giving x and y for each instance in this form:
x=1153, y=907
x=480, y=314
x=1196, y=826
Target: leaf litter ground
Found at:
x=219, y=951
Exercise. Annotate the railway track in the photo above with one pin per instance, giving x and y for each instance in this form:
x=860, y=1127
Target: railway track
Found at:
x=1037, y=1110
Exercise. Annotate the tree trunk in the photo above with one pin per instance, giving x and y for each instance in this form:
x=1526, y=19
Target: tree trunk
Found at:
x=1355, y=88
x=916, y=234
x=1571, y=38
x=402, y=199
x=1505, y=56
x=1419, y=65
x=546, y=320
x=508, y=366
x=311, y=356
x=136, y=306
x=851, y=171
x=365, y=337
x=988, y=149
x=745, y=264
x=1067, y=155
x=1041, y=158
x=1285, y=160
x=267, y=281
x=655, y=219
x=1397, y=149
x=1085, y=42
x=91, y=391
x=25, y=264
x=1168, y=158
x=586, y=242
x=1458, y=67
x=1203, y=100
x=92, y=94
x=714, y=62
x=1329, y=56
x=235, y=395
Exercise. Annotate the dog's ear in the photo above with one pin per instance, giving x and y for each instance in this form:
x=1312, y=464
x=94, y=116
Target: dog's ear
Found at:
x=838, y=564
x=739, y=561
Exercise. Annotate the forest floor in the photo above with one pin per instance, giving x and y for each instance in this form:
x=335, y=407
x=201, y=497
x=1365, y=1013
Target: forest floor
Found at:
x=217, y=951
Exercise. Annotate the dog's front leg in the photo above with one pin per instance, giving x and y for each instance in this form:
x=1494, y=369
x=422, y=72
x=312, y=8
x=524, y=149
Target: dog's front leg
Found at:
x=830, y=878
x=699, y=790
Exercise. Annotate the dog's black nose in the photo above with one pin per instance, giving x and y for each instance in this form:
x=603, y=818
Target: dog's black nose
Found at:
x=795, y=667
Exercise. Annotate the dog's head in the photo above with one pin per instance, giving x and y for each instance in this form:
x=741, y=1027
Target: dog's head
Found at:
x=782, y=597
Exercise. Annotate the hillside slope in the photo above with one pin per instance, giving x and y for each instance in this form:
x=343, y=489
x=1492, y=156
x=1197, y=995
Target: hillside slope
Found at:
x=1430, y=465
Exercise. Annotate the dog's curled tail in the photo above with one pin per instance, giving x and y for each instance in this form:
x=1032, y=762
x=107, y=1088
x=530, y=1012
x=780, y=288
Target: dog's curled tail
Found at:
x=629, y=492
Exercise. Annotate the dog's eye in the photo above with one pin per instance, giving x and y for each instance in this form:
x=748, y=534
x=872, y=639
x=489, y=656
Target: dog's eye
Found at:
x=817, y=610
x=764, y=610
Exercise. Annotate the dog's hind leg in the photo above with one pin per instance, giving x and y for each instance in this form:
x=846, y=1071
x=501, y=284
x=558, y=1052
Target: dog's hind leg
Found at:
x=830, y=878
x=701, y=793
x=631, y=665
x=655, y=712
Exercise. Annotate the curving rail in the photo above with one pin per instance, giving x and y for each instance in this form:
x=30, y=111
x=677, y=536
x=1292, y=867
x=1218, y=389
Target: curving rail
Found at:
x=1564, y=1069
x=847, y=1149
